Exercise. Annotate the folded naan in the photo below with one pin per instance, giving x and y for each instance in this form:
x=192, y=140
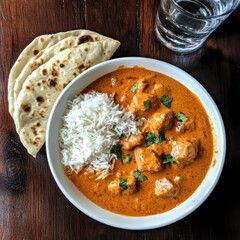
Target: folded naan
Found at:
x=41, y=87
x=39, y=51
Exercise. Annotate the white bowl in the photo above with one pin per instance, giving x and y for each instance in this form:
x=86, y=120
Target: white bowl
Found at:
x=107, y=217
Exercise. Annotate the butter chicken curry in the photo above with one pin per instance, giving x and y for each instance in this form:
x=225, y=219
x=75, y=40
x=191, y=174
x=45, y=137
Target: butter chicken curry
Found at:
x=164, y=164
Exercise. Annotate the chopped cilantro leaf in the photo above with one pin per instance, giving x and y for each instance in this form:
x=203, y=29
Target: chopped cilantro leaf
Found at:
x=138, y=176
x=168, y=158
x=152, y=138
x=134, y=88
x=136, y=173
x=116, y=149
x=181, y=117
x=123, y=183
x=160, y=138
x=128, y=158
x=147, y=105
x=142, y=178
x=166, y=101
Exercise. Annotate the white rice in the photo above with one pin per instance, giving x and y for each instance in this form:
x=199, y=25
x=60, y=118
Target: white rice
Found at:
x=92, y=124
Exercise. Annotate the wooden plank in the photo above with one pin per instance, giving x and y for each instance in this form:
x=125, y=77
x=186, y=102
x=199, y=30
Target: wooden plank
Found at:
x=28, y=211
x=149, y=46
x=116, y=19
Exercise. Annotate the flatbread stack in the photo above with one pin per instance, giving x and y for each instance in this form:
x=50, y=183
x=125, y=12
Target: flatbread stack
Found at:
x=43, y=70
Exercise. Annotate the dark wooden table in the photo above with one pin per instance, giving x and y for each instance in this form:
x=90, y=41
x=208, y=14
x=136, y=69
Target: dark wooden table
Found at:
x=31, y=205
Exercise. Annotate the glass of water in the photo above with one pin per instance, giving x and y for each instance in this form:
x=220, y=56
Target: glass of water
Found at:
x=184, y=25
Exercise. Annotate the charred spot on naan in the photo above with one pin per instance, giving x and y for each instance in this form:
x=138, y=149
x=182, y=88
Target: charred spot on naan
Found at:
x=42, y=39
x=85, y=38
x=35, y=65
x=52, y=82
x=36, y=141
x=44, y=72
x=34, y=130
x=38, y=55
x=39, y=83
x=82, y=68
x=26, y=107
x=40, y=100
x=54, y=72
x=42, y=113
x=35, y=52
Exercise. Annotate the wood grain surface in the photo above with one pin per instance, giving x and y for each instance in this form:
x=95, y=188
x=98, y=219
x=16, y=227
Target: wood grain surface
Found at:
x=31, y=205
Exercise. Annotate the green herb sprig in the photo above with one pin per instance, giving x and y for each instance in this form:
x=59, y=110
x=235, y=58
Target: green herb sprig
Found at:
x=123, y=183
x=151, y=138
x=147, y=105
x=168, y=158
x=138, y=176
x=166, y=101
x=116, y=149
x=181, y=117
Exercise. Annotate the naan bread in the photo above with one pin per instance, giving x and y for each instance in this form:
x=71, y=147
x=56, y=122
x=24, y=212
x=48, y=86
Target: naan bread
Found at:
x=41, y=88
x=39, y=51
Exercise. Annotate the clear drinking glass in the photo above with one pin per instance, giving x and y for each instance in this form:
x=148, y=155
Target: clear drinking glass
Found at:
x=184, y=25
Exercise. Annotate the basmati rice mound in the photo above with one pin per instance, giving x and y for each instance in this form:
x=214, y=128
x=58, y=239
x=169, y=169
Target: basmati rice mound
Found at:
x=93, y=123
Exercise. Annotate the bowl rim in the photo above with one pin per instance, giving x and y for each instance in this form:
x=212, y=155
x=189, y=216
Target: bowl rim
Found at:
x=142, y=222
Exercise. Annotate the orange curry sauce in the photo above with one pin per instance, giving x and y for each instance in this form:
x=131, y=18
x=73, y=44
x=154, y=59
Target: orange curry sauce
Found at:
x=144, y=201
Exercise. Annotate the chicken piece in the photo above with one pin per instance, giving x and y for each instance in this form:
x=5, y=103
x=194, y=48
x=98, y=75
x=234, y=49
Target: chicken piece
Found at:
x=114, y=187
x=161, y=120
x=132, y=185
x=137, y=104
x=185, y=126
x=147, y=160
x=177, y=180
x=142, y=84
x=132, y=141
x=185, y=151
x=167, y=188
x=157, y=149
x=159, y=90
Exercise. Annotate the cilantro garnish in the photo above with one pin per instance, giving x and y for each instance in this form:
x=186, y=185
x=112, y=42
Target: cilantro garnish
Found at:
x=128, y=158
x=123, y=183
x=152, y=138
x=138, y=176
x=116, y=149
x=147, y=105
x=134, y=88
x=160, y=138
x=168, y=158
x=166, y=101
x=181, y=117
